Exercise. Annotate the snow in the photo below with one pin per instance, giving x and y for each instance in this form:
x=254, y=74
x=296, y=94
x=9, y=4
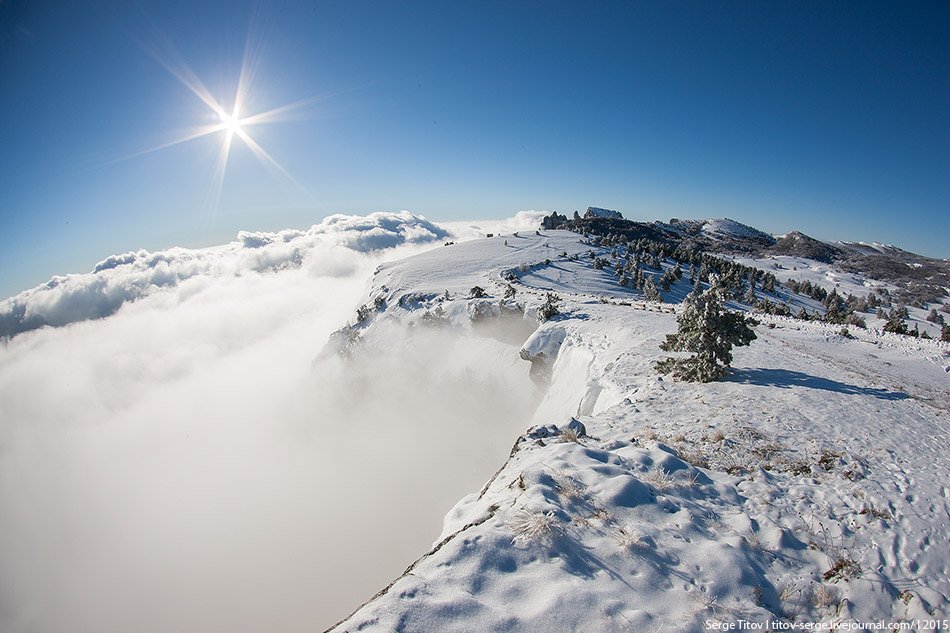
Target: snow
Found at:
x=870, y=247
x=808, y=486
x=731, y=228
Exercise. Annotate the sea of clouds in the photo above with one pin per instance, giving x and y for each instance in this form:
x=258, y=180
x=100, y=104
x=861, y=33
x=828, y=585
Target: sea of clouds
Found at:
x=173, y=458
x=327, y=249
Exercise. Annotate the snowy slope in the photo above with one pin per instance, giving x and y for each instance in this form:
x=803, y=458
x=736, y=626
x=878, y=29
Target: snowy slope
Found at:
x=786, y=267
x=810, y=485
x=730, y=228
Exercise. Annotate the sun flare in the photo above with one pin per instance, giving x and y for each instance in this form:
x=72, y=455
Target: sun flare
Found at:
x=227, y=125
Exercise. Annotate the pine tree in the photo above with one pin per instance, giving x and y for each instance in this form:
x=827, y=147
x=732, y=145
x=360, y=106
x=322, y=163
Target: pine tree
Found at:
x=666, y=280
x=945, y=334
x=704, y=272
x=749, y=297
x=709, y=331
x=649, y=289
x=895, y=323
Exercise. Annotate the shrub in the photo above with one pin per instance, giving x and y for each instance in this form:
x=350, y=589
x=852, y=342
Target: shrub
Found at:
x=549, y=309
x=362, y=313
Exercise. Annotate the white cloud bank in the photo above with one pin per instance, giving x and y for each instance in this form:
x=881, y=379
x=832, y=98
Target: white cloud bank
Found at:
x=182, y=465
x=119, y=279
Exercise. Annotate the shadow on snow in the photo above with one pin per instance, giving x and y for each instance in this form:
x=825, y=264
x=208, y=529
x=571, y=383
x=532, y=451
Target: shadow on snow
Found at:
x=786, y=379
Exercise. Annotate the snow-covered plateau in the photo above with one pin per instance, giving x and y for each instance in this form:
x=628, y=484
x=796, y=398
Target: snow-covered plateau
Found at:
x=808, y=486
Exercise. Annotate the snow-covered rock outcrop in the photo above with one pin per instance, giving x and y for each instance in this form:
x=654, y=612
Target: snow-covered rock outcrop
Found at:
x=597, y=212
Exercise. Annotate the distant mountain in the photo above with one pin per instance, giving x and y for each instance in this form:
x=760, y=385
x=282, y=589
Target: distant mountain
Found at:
x=919, y=278
x=798, y=244
x=722, y=235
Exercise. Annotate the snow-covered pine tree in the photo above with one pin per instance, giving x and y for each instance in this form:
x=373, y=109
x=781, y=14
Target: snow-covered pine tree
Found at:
x=709, y=331
x=666, y=280
x=895, y=323
x=749, y=296
x=649, y=289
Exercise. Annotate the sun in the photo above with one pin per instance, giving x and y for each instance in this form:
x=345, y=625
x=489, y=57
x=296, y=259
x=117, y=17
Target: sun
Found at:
x=230, y=123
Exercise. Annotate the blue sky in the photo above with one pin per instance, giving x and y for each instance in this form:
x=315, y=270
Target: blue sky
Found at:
x=830, y=118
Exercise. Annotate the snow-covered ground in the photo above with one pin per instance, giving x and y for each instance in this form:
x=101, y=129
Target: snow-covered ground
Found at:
x=809, y=486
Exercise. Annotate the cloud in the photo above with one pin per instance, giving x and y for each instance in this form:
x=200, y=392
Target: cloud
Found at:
x=120, y=279
x=521, y=221
x=184, y=464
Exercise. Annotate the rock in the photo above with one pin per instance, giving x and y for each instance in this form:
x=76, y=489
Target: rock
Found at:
x=597, y=212
x=577, y=427
x=541, y=431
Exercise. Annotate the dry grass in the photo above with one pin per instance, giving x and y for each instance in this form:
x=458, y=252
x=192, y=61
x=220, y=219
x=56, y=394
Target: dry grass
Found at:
x=823, y=596
x=569, y=435
x=876, y=513
x=659, y=479
x=534, y=526
x=569, y=487
x=628, y=538
x=843, y=568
